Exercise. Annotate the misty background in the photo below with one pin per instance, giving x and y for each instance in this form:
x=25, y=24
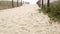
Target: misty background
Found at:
x=30, y=1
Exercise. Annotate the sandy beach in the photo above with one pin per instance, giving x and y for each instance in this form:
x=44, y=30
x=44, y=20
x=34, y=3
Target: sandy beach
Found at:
x=26, y=20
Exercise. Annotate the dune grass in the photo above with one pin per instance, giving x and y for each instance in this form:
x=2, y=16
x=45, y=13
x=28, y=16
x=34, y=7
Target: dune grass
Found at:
x=54, y=11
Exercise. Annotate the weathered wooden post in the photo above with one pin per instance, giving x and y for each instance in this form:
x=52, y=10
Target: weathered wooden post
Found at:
x=17, y=3
x=48, y=5
x=42, y=3
x=12, y=4
x=21, y=3
x=39, y=3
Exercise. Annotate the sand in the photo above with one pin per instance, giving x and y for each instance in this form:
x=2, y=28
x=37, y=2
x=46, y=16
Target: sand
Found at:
x=26, y=20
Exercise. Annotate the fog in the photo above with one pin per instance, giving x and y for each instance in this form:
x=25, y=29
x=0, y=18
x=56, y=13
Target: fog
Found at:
x=30, y=1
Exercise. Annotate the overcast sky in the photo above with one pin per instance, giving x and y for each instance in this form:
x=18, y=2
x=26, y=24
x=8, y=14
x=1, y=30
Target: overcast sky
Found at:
x=31, y=1
x=34, y=1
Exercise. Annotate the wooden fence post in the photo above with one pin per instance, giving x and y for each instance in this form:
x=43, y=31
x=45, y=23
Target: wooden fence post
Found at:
x=42, y=3
x=21, y=3
x=17, y=3
x=12, y=4
x=48, y=5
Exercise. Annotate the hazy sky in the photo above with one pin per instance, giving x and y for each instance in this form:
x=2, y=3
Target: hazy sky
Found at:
x=31, y=1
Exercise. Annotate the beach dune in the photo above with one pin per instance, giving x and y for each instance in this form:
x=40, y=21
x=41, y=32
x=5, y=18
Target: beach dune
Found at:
x=26, y=20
